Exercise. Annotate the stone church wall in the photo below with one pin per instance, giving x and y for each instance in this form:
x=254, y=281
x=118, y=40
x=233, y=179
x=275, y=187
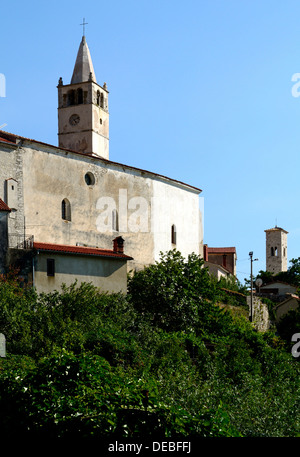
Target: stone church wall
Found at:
x=261, y=318
x=146, y=205
x=11, y=191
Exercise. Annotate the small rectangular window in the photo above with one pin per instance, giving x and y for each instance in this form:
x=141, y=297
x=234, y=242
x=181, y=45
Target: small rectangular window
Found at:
x=115, y=221
x=50, y=267
x=173, y=234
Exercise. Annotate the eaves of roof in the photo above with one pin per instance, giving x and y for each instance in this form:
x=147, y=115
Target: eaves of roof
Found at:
x=291, y=298
x=3, y=140
x=4, y=207
x=216, y=265
x=11, y=139
x=221, y=250
x=277, y=282
x=276, y=229
x=80, y=250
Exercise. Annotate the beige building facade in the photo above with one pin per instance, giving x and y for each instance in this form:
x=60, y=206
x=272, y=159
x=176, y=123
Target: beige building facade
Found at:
x=74, y=195
x=224, y=257
x=54, y=265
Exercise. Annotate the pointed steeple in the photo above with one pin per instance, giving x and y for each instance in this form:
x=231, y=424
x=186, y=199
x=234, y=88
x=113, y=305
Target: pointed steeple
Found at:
x=83, y=69
x=83, y=116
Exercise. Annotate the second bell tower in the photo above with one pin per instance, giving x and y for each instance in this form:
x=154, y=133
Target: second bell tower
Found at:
x=276, y=250
x=83, y=117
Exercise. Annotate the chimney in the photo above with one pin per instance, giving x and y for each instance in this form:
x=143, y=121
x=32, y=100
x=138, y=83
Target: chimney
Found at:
x=119, y=245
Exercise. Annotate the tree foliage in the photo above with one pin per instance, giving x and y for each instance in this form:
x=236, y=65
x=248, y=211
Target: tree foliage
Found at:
x=164, y=361
x=291, y=276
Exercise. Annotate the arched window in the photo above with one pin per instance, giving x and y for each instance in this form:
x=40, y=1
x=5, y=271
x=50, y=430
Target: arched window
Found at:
x=66, y=210
x=173, y=234
x=102, y=101
x=79, y=96
x=272, y=252
x=115, y=220
x=71, y=97
x=276, y=252
x=98, y=97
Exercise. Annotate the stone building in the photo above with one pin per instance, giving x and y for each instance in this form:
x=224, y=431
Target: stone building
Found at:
x=4, y=213
x=225, y=258
x=276, y=250
x=73, y=195
x=83, y=118
x=290, y=303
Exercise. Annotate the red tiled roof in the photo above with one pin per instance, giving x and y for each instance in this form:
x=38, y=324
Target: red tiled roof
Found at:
x=3, y=206
x=4, y=140
x=221, y=250
x=274, y=229
x=48, y=247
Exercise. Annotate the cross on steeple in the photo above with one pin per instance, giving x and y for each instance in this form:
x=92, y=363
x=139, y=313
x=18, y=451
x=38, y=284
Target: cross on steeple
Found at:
x=84, y=24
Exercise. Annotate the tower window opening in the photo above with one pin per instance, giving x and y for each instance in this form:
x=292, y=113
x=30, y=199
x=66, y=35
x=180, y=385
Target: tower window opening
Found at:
x=66, y=210
x=276, y=252
x=79, y=96
x=173, y=234
x=272, y=252
x=98, y=97
x=71, y=97
x=102, y=101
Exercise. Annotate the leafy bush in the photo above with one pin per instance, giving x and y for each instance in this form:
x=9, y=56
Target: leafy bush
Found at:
x=166, y=360
x=168, y=292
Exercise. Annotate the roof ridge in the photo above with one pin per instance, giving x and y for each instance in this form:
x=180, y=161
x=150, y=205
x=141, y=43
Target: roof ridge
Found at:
x=101, y=159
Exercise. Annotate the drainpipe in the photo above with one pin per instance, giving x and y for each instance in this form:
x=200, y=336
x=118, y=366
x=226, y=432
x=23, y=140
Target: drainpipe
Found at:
x=33, y=271
x=33, y=268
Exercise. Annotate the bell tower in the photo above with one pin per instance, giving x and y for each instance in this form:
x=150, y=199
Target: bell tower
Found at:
x=276, y=250
x=83, y=118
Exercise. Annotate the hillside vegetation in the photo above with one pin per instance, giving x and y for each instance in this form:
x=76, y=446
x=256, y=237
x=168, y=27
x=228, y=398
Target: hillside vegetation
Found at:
x=163, y=361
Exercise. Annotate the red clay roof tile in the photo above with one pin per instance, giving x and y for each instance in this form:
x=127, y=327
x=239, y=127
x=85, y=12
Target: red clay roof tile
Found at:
x=50, y=247
x=3, y=206
x=221, y=250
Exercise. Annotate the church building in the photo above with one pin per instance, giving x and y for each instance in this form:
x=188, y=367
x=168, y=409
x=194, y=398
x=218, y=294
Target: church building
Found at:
x=69, y=212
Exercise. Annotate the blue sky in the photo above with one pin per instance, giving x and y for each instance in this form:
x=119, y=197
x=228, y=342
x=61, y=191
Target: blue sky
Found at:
x=200, y=91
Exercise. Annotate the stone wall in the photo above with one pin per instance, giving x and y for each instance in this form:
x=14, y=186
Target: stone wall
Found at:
x=11, y=191
x=260, y=314
x=147, y=205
